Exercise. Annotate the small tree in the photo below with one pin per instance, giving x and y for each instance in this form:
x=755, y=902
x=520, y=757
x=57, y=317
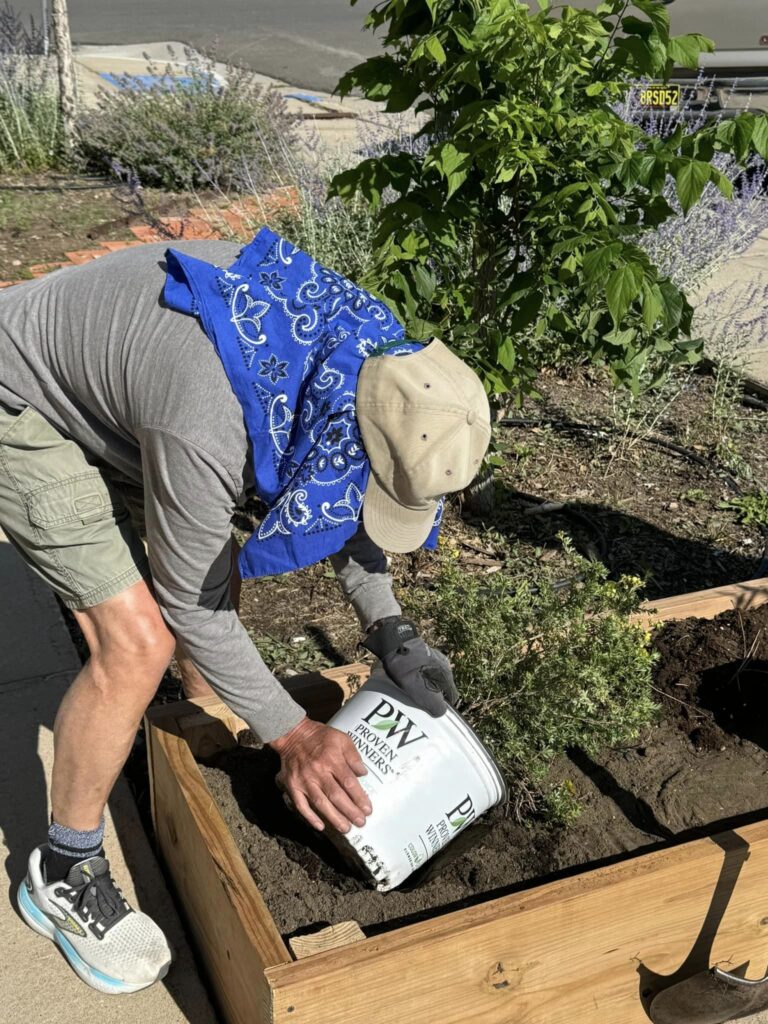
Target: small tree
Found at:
x=515, y=235
x=66, y=65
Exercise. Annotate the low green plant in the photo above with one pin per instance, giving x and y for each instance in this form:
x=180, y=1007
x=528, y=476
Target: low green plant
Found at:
x=337, y=234
x=30, y=125
x=726, y=418
x=515, y=235
x=201, y=134
x=751, y=509
x=303, y=654
x=694, y=495
x=541, y=669
x=562, y=804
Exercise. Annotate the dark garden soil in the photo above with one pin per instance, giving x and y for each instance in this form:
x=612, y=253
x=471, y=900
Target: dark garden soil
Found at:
x=639, y=508
x=42, y=217
x=704, y=761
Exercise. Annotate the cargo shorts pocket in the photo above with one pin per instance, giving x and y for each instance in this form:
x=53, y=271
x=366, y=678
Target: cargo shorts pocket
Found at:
x=59, y=511
x=85, y=535
x=80, y=499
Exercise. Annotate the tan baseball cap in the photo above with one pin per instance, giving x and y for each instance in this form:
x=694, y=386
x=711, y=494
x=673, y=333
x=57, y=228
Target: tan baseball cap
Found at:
x=426, y=425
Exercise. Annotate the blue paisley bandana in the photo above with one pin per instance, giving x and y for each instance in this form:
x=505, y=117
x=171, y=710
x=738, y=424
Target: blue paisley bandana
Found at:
x=292, y=336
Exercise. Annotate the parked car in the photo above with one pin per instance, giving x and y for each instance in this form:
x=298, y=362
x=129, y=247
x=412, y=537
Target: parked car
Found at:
x=737, y=72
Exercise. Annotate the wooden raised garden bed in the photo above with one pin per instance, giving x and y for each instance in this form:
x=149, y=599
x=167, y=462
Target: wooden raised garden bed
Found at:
x=591, y=948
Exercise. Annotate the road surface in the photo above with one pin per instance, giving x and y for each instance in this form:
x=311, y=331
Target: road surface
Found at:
x=309, y=43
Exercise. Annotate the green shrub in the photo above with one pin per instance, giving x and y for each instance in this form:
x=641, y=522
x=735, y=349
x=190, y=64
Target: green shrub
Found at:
x=543, y=669
x=751, y=509
x=516, y=235
x=30, y=126
x=337, y=234
x=200, y=135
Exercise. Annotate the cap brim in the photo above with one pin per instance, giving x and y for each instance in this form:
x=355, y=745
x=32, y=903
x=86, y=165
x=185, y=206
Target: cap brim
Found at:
x=393, y=526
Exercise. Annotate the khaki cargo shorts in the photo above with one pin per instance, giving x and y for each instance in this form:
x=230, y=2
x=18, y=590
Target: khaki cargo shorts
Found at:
x=71, y=525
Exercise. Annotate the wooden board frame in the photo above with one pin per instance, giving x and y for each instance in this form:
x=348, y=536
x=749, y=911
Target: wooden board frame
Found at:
x=592, y=947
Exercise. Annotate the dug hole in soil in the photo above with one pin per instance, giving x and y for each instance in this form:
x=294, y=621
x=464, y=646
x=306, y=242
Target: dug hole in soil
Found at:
x=706, y=760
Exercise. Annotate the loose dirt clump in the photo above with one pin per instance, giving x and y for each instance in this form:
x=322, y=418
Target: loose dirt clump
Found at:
x=706, y=760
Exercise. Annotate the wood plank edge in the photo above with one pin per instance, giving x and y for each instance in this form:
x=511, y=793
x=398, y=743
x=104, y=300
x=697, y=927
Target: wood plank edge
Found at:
x=683, y=857
x=749, y=594
x=335, y=936
x=233, y=873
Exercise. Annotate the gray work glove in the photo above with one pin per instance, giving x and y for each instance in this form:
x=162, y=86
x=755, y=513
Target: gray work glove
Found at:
x=421, y=672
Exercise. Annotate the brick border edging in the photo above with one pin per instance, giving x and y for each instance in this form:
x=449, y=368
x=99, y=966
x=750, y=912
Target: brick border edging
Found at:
x=239, y=219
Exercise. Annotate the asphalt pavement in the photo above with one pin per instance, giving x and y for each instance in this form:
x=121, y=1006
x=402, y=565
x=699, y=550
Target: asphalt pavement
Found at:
x=309, y=43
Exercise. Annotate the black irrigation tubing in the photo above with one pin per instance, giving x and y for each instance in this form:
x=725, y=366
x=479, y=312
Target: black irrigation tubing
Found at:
x=91, y=187
x=754, y=403
x=603, y=430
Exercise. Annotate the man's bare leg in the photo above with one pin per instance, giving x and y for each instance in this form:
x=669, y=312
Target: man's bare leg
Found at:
x=69, y=895
x=131, y=647
x=192, y=682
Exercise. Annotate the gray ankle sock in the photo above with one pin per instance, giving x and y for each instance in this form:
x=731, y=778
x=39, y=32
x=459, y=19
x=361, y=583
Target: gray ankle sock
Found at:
x=69, y=846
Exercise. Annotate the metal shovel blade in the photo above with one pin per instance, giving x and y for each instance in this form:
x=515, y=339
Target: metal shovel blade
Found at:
x=710, y=997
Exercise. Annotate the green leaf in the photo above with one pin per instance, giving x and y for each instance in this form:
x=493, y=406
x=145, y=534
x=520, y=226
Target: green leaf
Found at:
x=672, y=304
x=723, y=183
x=435, y=49
x=691, y=177
x=652, y=172
x=458, y=822
x=569, y=190
x=760, y=136
x=519, y=286
x=596, y=263
x=452, y=164
x=686, y=49
x=726, y=132
x=505, y=355
x=656, y=14
x=386, y=725
x=463, y=37
x=621, y=339
x=653, y=304
x=622, y=289
x=403, y=94
x=636, y=26
x=425, y=282
x=527, y=311
x=636, y=55
x=744, y=126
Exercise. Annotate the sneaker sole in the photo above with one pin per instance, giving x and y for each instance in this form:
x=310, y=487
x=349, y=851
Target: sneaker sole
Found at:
x=39, y=923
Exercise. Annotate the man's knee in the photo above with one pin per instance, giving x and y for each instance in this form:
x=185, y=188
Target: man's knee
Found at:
x=129, y=628
x=145, y=638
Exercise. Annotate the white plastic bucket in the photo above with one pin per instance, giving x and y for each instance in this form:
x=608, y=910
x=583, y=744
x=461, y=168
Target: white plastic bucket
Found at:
x=428, y=779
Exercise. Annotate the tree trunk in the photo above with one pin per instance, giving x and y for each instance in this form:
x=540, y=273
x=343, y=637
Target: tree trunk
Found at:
x=67, y=82
x=478, y=500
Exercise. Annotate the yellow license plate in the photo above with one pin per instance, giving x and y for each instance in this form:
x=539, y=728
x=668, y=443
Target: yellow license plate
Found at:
x=660, y=97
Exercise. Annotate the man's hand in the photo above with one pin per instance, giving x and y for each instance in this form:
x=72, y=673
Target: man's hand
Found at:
x=421, y=672
x=319, y=771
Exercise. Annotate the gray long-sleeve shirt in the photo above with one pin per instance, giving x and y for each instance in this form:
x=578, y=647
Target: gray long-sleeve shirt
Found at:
x=141, y=389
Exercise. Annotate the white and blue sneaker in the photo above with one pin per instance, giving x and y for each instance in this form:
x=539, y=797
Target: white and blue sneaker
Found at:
x=110, y=946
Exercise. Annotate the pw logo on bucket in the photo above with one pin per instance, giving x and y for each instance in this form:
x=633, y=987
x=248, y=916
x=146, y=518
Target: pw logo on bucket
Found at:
x=417, y=766
x=386, y=718
x=461, y=815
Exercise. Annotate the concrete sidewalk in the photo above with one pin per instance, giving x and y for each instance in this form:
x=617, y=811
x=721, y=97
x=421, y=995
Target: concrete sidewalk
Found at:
x=333, y=121
x=734, y=304
x=37, y=663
